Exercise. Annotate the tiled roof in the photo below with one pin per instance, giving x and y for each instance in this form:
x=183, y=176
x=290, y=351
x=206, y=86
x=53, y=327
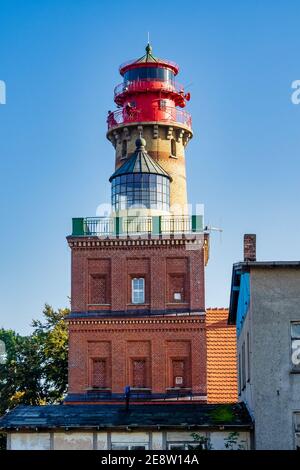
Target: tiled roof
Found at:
x=168, y=415
x=221, y=357
x=140, y=162
x=149, y=58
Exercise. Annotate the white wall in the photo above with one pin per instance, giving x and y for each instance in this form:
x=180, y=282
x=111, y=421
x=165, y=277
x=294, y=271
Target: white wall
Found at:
x=30, y=441
x=73, y=441
x=70, y=440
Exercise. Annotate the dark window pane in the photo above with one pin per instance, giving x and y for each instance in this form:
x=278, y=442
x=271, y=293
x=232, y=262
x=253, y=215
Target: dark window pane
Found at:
x=295, y=330
x=137, y=178
x=143, y=73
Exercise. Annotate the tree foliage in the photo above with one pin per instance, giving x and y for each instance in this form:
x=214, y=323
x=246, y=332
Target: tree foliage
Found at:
x=34, y=371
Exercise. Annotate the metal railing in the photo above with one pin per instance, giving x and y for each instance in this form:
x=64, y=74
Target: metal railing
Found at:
x=148, y=84
x=132, y=225
x=165, y=114
x=179, y=224
x=158, y=61
x=95, y=225
x=136, y=225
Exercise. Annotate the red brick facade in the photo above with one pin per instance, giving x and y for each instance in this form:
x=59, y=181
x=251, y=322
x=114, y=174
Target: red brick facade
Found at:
x=102, y=272
x=158, y=347
x=145, y=353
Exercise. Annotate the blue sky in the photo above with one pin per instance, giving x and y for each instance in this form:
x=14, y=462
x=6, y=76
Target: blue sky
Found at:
x=60, y=61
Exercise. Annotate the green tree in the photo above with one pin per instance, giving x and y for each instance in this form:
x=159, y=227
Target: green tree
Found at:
x=33, y=370
x=202, y=442
x=232, y=441
x=52, y=336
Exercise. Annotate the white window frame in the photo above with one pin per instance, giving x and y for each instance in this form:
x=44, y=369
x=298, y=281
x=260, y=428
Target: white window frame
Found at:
x=138, y=290
x=127, y=446
x=295, y=344
x=297, y=429
x=162, y=104
x=187, y=445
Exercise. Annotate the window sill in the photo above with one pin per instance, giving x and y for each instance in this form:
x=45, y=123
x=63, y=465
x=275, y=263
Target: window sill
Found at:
x=98, y=305
x=97, y=389
x=140, y=389
x=179, y=302
x=138, y=305
x=176, y=389
x=174, y=156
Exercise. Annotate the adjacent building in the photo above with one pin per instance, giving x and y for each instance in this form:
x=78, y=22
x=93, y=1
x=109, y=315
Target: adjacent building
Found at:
x=264, y=306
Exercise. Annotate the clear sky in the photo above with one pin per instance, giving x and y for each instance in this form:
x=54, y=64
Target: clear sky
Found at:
x=59, y=60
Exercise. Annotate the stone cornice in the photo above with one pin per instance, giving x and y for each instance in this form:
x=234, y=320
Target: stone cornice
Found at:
x=195, y=243
x=122, y=322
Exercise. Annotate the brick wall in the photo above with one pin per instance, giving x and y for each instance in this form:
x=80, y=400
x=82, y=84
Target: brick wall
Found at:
x=153, y=352
x=101, y=276
x=160, y=342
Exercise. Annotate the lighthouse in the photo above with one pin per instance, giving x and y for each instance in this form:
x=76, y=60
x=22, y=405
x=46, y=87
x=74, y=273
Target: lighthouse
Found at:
x=138, y=305
x=150, y=105
x=148, y=364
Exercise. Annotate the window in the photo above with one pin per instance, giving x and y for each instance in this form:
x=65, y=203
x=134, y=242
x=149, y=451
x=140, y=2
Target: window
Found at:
x=186, y=445
x=149, y=73
x=140, y=190
x=125, y=446
x=173, y=147
x=138, y=290
x=248, y=357
x=295, y=346
x=124, y=148
x=297, y=430
x=99, y=373
x=176, y=288
x=162, y=104
x=139, y=373
x=297, y=441
x=178, y=369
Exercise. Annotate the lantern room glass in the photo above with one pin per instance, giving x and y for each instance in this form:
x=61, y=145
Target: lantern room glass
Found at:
x=141, y=190
x=149, y=73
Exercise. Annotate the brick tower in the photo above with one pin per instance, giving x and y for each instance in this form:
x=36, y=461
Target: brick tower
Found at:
x=137, y=303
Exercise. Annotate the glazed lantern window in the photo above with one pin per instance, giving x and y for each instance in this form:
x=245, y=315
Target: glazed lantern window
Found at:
x=141, y=190
x=149, y=73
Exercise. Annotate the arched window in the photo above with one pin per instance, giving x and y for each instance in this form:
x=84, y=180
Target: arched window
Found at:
x=173, y=147
x=124, y=148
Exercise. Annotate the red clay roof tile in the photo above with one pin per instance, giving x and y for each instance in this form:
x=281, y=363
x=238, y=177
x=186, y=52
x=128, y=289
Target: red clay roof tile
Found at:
x=221, y=357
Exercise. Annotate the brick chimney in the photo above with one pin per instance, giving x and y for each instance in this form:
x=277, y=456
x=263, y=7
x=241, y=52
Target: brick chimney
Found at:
x=250, y=247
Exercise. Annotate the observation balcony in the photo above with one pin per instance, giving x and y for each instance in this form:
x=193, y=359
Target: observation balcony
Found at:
x=174, y=89
x=163, y=114
x=136, y=226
